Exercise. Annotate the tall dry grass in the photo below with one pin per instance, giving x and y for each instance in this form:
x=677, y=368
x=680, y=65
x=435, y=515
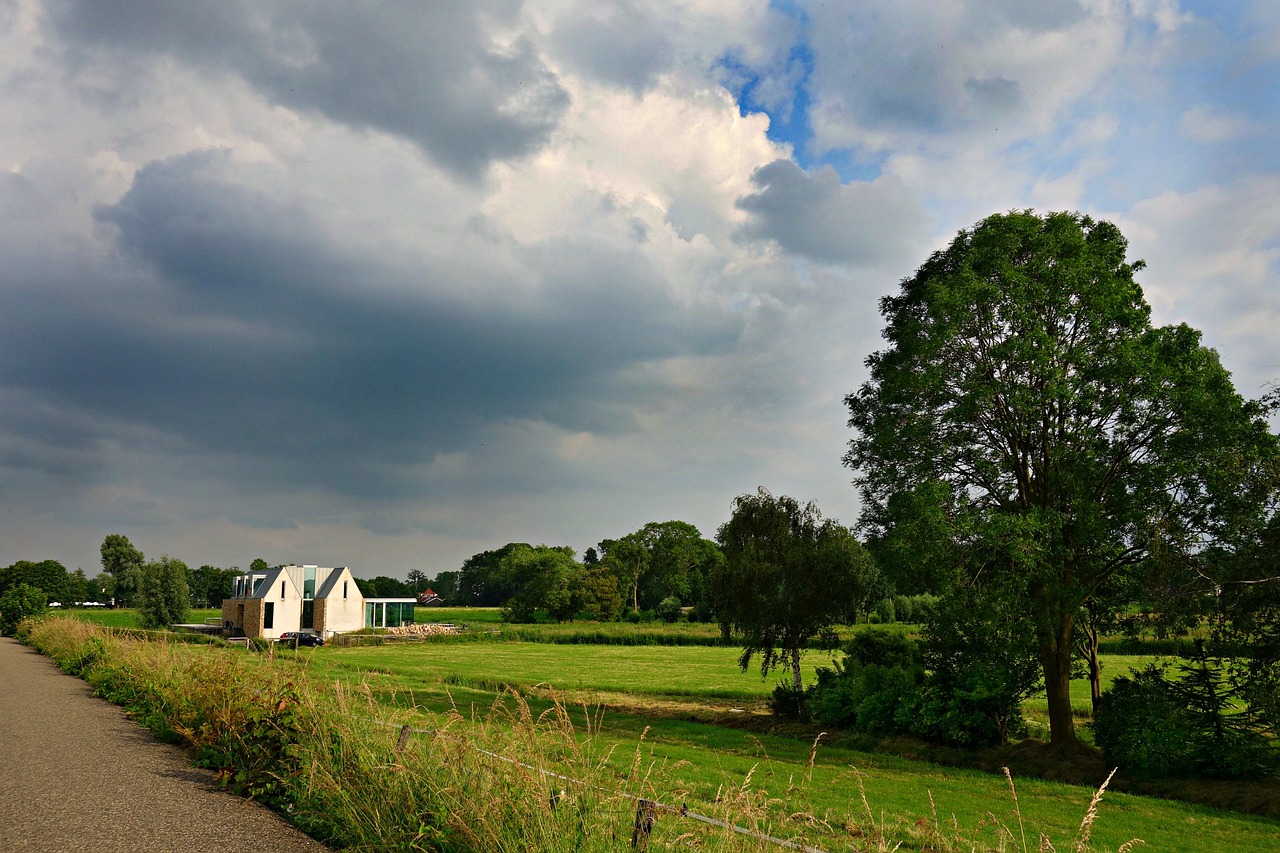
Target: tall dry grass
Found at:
x=361, y=775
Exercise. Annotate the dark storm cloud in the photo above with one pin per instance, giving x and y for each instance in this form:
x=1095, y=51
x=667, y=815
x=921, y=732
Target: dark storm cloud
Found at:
x=617, y=43
x=424, y=71
x=240, y=330
x=816, y=216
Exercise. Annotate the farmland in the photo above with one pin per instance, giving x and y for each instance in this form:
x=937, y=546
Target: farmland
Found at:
x=690, y=712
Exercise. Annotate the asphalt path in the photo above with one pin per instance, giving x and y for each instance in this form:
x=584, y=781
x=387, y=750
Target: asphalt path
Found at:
x=76, y=774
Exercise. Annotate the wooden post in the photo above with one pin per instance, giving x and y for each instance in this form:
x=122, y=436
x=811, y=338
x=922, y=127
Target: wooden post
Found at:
x=401, y=743
x=646, y=814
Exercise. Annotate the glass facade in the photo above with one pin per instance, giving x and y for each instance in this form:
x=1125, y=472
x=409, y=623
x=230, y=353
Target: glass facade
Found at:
x=388, y=613
x=309, y=582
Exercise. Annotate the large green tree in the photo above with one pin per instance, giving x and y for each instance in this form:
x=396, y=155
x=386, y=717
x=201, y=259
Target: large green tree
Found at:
x=788, y=575
x=1027, y=419
x=122, y=561
x=163, y=596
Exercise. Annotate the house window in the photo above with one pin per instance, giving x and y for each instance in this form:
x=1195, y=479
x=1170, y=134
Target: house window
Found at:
x=282, y=590
x=344, y=589
x=269, y=615
x=308, y=614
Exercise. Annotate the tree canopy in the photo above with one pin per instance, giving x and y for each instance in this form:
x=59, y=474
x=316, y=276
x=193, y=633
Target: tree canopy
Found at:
x=1027, y=421
x=163, y=596
x=789, y=574
x=123, y=562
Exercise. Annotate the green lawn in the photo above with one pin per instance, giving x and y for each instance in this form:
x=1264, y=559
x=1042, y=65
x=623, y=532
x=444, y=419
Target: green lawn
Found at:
x=692, y=671
x=127, y=617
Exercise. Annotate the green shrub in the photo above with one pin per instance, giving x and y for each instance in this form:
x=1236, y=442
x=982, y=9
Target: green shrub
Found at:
x=876, y=690
x=668, y=610
x=1151, y=725
x=20, y=602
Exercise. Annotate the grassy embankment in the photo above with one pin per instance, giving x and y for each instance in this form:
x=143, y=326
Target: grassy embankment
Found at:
x=663, y=688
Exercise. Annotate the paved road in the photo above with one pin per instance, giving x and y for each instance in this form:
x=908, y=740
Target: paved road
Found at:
x=76, y=774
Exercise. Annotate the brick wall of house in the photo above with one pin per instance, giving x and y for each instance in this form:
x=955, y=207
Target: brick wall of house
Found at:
x=321, y=609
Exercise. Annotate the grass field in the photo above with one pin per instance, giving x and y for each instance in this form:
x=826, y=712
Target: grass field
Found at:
x=658, y=703
x=655, y=695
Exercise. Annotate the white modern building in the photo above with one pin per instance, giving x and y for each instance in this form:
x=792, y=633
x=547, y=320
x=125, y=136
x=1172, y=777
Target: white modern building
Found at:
x=316, y=599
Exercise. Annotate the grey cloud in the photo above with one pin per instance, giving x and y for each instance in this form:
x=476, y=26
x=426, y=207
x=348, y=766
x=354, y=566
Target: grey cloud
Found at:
x=617, y=43
x=424, y=71
x=235, y=327
x=903, y=69
x=816, y=216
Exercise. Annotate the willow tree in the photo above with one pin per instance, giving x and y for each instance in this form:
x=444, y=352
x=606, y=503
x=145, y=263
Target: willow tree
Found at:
x=1028, y=422
x=788, y=576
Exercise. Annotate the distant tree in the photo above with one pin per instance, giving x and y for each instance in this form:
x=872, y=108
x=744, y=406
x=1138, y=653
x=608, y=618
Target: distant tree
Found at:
x=49, y=576
x=163, y=597
x=662, y=559
x=598, y=594
x=210, y=585
x=384, y=587
x=18, y=603
x=79, y=588
x=668, y=609
x=445, y=585
x=417, y=580
x=258, y=565
x=789, y=575
x=541, y=578
x=590, y=558
x=1027, y=419
x=628, y=559
x=103, y=587
x=480, y=581
x=124, y=563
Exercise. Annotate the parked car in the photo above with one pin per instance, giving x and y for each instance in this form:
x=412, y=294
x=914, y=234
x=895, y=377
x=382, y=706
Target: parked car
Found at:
x=301, y=638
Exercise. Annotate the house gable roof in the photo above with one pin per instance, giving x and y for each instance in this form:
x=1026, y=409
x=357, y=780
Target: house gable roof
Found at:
x=330, y=582
x=262, y=587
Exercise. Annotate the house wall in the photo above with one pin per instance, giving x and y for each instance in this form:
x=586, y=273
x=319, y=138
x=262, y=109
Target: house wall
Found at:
x=252, y=619
x=288, y=607
x=343, y=614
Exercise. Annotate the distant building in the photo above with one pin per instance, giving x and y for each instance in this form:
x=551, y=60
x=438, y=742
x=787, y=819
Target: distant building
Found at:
x=429, y=598
x=317, y=599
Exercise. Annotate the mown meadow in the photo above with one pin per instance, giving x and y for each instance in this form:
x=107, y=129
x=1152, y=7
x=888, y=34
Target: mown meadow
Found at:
x=690, y=724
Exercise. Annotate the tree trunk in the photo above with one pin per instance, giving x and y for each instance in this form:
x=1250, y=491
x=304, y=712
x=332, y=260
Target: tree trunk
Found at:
x=796, y=684
x=1055, y=656
x=1091, y=653
x=1095, y=671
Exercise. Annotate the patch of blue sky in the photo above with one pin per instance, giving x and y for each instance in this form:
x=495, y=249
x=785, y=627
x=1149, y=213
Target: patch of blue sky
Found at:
x=758, y=90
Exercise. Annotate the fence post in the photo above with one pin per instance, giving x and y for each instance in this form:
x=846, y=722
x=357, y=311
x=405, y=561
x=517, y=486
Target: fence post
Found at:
x=401, y=743
x=646, y=814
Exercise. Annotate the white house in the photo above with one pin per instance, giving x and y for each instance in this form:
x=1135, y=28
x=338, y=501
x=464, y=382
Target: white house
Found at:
x=315, y=599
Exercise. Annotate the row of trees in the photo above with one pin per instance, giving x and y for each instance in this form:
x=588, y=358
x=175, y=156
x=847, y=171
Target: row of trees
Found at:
x=661, y=561
x=163, y=590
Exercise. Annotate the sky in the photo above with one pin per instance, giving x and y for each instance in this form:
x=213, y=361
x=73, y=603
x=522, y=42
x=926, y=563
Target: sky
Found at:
x=386, y=285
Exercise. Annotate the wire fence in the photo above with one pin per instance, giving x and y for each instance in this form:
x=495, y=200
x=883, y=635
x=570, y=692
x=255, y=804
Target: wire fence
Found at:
x=647, y=810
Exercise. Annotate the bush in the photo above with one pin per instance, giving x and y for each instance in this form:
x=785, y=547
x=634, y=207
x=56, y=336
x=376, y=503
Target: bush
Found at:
x=668, y=609
x=1151, y=725
x=19, y=602
x=877, y=689
x=785, y=701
